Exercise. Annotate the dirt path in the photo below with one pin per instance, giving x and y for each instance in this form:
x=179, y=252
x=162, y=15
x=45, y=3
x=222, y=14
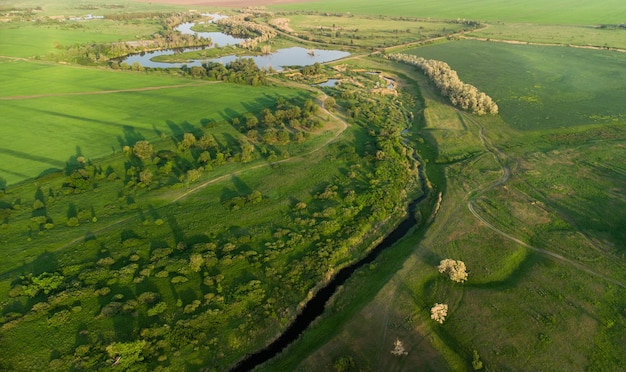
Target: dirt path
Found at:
x=12, y=98
x=501, y=159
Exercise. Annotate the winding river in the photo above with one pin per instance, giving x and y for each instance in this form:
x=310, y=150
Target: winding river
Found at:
x=294, y=56
x=316, y=305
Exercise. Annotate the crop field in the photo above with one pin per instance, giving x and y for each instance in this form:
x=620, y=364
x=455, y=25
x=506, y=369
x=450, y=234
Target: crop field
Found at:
x=98, y=125
x=536, y=11
x=551, y=87
x=27, y=39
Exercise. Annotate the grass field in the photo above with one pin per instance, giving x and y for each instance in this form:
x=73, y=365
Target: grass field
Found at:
x=101, y=124
x=555, y=34
x=540, y=87
x=536, y=11
x=28, y=39
x=521, y=308
x=368, y=31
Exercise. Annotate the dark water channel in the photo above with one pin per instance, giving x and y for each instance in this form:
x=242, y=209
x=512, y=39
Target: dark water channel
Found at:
x=316, y=305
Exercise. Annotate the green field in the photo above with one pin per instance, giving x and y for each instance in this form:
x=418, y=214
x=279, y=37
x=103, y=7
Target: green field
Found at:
x=555, y=34
x=98, y=125
x=179, y=220
x=28, y=39
x=540, y=87
x=537, y=11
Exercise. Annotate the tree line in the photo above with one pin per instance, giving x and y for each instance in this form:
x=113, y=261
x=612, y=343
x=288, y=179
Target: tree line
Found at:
x=460, y=94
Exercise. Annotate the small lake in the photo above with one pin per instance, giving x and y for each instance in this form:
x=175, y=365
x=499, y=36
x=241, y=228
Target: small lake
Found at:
x=294, y=56
x=328, y=83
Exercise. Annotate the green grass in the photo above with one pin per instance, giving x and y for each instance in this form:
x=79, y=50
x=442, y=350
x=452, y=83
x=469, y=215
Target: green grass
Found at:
x=21, y=78
x=28, y=39
x=555, y=34
x=537, y=11
x=45, y=132
x=540, y=87
x=368, y=31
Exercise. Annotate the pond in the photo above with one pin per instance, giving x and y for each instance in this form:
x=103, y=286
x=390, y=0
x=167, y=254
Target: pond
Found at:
x=328, y=83
x=294, y=56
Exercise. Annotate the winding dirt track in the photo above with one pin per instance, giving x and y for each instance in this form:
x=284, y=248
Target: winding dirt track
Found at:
x=500, y=158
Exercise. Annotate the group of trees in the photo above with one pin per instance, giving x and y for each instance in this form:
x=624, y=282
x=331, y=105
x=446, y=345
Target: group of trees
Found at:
x=241, y=26
x=239, y=71
x=447, y=81
x=177, y=289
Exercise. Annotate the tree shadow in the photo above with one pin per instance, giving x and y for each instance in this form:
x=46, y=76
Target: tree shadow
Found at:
x=73, y=162
x=177, y=231
x=130, y=136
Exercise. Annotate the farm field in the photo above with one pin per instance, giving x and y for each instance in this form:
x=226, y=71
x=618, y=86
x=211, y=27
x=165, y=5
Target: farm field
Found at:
x=584, y=35
x=535, y=11
x=25, y=39
x=182, y=219
x=91, y=123
x=552, y=87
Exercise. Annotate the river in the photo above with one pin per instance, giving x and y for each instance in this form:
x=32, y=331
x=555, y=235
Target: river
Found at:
x=294, y=56
x=316, y=305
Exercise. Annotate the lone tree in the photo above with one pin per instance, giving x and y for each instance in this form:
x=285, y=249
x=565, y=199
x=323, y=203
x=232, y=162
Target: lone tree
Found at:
x=455, y=269
x=143, y=150
x=439, y=313
x=398, y=349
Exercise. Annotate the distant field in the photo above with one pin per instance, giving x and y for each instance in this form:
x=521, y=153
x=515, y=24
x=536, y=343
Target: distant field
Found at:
x=538, y=11
x=20, y=78
x=368, y=31
x=43, y=133
x=95, y=7
x=555, y=34
x=26, y=39
x=541, y=87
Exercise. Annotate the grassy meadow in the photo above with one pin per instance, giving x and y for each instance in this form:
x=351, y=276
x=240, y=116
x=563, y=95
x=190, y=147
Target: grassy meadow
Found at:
x=584, y=35
x=31, y=39
x=98, y=125
x=521, y=308
x=197, y=248
x=540, y=87
x=535, y=11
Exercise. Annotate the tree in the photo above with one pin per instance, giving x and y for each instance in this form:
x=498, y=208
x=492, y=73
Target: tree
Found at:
x=439, y=313
x=329, y=103
x=125, y=354
x=143, y=150
x=455, y=269
x=195, y=262
x=46, y=282
x=398, y=349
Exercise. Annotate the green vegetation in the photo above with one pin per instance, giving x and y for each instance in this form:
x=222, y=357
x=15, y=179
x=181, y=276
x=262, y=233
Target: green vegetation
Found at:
x=552, y=87
x=597, y=35
x=535, y=11
x=179, y=219
x=90, y=125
